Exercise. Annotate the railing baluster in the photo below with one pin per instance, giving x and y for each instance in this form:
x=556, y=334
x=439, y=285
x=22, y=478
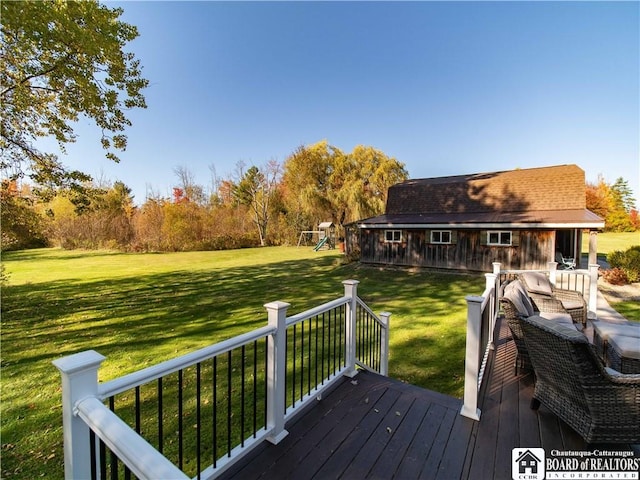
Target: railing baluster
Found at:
x=198, y=417
x=293, y=378
x=316, y=355
x=92, y=455
x=255, y=388
x=310, y=355
x=301, y=360
x=137, y=409
x=229, y=393
x=160, y=420
x=180, y=430
x=214, y=382
x=242, y=387
x=113, y=458
x=323, y=347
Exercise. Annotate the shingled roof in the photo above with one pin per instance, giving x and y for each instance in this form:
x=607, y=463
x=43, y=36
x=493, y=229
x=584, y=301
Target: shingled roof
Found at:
x=547, y=196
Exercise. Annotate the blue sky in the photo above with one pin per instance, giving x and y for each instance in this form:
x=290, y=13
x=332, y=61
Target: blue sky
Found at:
x=447, y=88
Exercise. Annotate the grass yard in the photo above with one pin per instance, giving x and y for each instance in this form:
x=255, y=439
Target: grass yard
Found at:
x=608, y=242
x=141, y=309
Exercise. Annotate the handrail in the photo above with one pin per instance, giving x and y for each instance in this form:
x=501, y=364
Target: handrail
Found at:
x=370, y=312
x=154, y=372
x=320, y=309
x=141, y=458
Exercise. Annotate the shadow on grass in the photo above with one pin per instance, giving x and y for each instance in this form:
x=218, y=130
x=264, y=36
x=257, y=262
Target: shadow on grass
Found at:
x=140, y=321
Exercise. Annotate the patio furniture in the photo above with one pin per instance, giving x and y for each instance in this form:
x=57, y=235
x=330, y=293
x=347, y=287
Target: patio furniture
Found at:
x=544, y=295
x=516, y=303
x=565, y=263
x=571, y=381
x=603, y=331
x=623, y=354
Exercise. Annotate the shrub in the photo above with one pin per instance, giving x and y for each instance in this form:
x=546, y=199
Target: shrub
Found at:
x=615, y=276
x=627, y=261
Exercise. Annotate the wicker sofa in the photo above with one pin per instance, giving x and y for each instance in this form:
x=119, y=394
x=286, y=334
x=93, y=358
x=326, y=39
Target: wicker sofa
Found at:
x=546, y=296
x=571, y=381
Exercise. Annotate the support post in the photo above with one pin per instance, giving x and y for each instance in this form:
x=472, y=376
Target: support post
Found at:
x=277, y=370
x=553, y=270
x=385, y=317
x=351, y=292
x=491, y=284
x=593, y=291
x=593, y=247
x=79, y=380
x=472, y=358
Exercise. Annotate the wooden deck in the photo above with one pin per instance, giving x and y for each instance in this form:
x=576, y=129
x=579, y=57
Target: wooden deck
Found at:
x=379, y=428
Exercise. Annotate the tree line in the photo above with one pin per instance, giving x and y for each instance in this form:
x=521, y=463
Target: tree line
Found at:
x=261, y=205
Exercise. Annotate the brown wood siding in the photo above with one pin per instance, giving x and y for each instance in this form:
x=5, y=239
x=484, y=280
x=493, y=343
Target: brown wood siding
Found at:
x=534, y=250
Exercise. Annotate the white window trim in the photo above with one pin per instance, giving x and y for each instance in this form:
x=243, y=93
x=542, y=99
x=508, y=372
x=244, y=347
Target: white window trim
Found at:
x=499, y=242
x=431, y=240
x=392, y=232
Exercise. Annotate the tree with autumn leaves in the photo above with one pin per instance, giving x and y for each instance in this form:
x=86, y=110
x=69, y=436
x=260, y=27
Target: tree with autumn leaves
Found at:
x=614, y=203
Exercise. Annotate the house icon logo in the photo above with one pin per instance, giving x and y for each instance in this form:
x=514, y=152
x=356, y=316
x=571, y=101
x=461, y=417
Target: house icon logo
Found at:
x=527, y=464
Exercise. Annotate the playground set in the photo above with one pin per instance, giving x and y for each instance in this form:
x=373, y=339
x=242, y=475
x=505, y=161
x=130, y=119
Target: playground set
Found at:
x=324, y=237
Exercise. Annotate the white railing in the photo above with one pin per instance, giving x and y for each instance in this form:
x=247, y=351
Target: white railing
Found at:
x=482, y=312
x=83, y=399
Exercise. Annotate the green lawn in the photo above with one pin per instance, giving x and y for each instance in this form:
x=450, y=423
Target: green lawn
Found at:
x=140, y=309
x=608, y=242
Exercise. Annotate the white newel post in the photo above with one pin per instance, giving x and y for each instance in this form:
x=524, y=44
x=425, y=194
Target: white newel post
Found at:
x=553, y=269
x=277, y=371
x=593, y=291
x=384, y=348
x=472, y=360
x=351, y=292
x=79, y=380
x=491, y=284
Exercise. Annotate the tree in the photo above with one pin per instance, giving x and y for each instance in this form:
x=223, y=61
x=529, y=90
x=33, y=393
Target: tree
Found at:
x=22, y=226
x=256, y=189
x=325, y=183
x=614, y=203
x=60, y=60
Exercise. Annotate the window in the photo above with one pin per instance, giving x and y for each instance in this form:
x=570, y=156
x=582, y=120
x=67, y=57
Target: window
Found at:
x=394, y=236
x=499, y=238
x=441, y=236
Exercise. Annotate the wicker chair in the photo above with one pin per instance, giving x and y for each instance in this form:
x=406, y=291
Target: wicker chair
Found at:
x=601, y=405
x=547, y=297
x=511, y=314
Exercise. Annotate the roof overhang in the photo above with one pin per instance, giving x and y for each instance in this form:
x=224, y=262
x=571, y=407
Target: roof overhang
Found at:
x=547, y=219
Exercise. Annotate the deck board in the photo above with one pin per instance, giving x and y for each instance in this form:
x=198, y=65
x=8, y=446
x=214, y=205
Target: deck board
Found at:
x=374, y=427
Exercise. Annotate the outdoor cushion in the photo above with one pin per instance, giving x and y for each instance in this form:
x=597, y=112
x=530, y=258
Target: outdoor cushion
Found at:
x=606, y=329
x=566, y=331
x=563, y=318
x=537, y=283
x=515, y=292
x=627, y=347
x=570, y=304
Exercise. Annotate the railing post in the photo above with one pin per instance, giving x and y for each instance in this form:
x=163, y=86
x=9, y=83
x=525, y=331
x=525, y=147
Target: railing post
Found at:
x=491, y=284
x=351, y=292
x=277, y=370
x=472, y=359
x=593, y=291
x=384, y=341
x=79, y=380
x=553, y=269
